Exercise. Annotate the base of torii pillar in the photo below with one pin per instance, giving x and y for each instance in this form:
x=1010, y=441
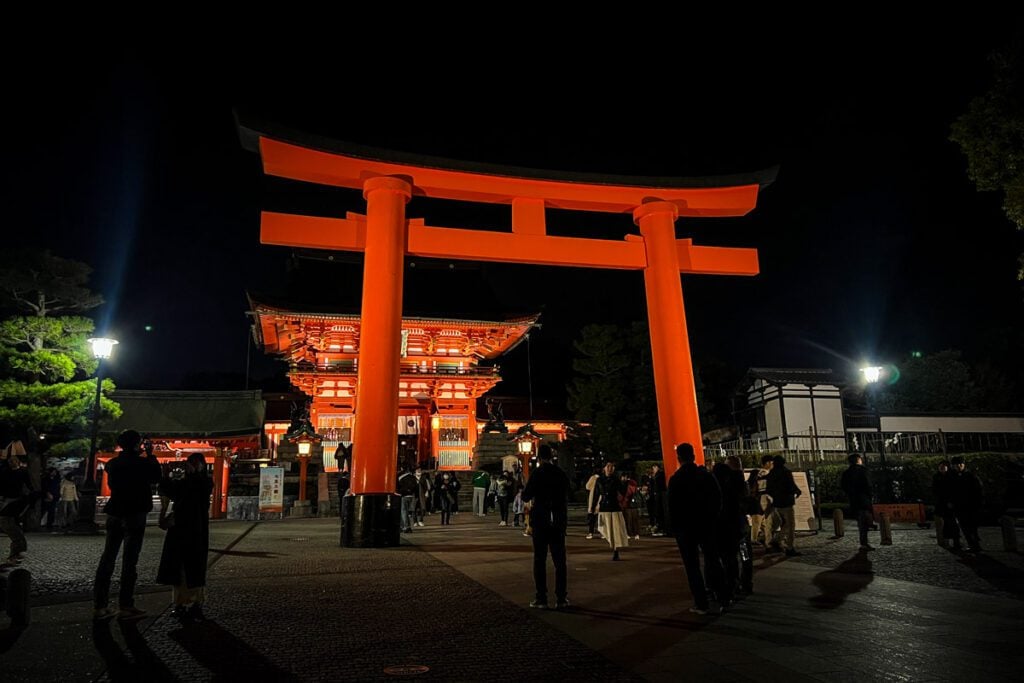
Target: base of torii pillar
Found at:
x=371, y=520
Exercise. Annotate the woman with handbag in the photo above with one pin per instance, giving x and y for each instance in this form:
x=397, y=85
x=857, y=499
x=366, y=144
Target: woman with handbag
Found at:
x=185, y=516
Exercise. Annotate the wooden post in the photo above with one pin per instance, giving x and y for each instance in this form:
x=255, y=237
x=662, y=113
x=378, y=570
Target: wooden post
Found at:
x=837, y=524
x=885, y=528
x=303, y=473
x=1008, y=524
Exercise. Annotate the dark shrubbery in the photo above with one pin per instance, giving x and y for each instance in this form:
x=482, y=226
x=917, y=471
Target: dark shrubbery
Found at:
x=1001, y=475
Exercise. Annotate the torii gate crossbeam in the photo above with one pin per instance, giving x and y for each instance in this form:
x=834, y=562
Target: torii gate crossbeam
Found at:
x=388, y=180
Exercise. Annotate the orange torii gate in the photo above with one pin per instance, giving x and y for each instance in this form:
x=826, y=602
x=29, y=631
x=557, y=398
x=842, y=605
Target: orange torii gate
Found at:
x=389, y=179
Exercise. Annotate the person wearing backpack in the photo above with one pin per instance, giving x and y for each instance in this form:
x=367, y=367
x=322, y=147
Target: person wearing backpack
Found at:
x=630, y=506
x=783, y=492
x=760, y=506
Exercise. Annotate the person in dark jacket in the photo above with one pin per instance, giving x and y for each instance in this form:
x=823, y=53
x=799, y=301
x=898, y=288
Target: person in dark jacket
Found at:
x=408, y=488
x=16, y=494
x=446, y=496
x=746, y=504
x=783, y=492
x=855, y=484
x=610, y=521
x=942, y=484
x=423, y=494
x=185, y=499
x=730, y=526
x=694, y=504
x=455, y=485
x=51, y=496
x=130, y=477
x=656, y=501
x=547, y=494
x=967, y=498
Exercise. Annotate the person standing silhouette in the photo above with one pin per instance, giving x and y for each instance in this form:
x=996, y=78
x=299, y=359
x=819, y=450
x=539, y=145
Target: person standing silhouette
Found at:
x=547, y=493
x=130, y=476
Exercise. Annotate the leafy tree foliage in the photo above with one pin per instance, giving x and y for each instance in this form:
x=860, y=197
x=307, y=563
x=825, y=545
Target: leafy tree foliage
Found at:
x=599, y=394
x=991, y=135
x=44, y=285
x=614, y=392
x=938, y=382
x=45, y=363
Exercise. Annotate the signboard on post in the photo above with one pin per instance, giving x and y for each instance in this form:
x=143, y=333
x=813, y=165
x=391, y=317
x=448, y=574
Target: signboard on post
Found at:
x=803, y=510
x=272, y=489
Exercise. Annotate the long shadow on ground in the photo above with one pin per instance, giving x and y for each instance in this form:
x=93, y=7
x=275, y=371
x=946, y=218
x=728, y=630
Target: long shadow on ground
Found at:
x=997, y=574
x=138, y=663
x=228, y=657
x=852, y=576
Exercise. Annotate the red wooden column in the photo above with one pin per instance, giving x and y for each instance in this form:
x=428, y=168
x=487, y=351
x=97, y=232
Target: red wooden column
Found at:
x=375, y=436
x=678, y=419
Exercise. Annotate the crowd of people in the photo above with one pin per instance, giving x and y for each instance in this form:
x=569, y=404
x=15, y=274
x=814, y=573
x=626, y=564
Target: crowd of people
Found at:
x=423, y=495
x=715, y=514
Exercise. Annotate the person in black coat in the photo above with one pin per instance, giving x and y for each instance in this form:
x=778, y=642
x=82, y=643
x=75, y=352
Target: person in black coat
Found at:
x=185, y=516
x=942, y=484
x=547, y=493
x=783, y=492
x=731, y=526
x=855, y=484
x=16, y=494
x=695, y=504
x=966, y=492
x=656, y=501
x=51, y=496
x=447, y=490
x=131, y=477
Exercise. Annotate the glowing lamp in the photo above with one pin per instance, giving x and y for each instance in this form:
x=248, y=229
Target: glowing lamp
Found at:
x=526, y=446
x=305, y=447
x=102, y=347
x=872, y=373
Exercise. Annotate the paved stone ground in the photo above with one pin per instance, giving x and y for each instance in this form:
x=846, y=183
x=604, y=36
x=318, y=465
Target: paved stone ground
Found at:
x=62, y=565
x=287, y=604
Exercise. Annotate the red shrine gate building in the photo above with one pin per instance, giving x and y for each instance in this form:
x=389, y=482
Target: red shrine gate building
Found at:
x=441, y=377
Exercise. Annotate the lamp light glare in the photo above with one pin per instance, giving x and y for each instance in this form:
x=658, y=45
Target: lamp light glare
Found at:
x=872, y=373
x=304, y=447
x=102, y=347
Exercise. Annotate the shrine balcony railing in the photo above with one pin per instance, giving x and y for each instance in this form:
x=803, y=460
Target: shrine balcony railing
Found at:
x=475, y=371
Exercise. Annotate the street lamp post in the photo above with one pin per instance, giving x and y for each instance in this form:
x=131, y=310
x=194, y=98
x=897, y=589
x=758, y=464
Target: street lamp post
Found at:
x=86, y=522
x=873, y=375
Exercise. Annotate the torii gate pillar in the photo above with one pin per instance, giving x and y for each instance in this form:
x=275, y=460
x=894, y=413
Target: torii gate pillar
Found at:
x=674, y=386
x=372, y=514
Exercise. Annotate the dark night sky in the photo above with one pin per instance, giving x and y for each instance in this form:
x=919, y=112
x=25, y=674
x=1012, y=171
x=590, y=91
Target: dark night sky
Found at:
x=872, y=241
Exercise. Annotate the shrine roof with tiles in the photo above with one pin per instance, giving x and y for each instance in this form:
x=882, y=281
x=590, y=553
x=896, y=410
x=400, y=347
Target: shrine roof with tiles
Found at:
x=310, y=337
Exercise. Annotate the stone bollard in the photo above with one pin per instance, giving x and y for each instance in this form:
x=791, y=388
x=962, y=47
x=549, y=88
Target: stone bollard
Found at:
x=837, y=523
x=15, y=586
x=885, y=528
x=1009, y=533
x=940, y=535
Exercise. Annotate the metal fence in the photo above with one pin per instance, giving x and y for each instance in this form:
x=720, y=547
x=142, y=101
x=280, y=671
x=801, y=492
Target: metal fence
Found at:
x=806, y=449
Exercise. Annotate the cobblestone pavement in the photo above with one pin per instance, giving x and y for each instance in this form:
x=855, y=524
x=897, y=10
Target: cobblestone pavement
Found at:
x=916, y=556
x=286, y=603
x=62, y=565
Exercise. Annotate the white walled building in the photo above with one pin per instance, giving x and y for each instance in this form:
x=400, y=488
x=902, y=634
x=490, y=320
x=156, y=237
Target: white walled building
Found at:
x=794, y=409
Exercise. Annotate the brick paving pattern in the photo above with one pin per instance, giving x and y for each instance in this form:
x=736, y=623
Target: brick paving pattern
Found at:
x=286, y=603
